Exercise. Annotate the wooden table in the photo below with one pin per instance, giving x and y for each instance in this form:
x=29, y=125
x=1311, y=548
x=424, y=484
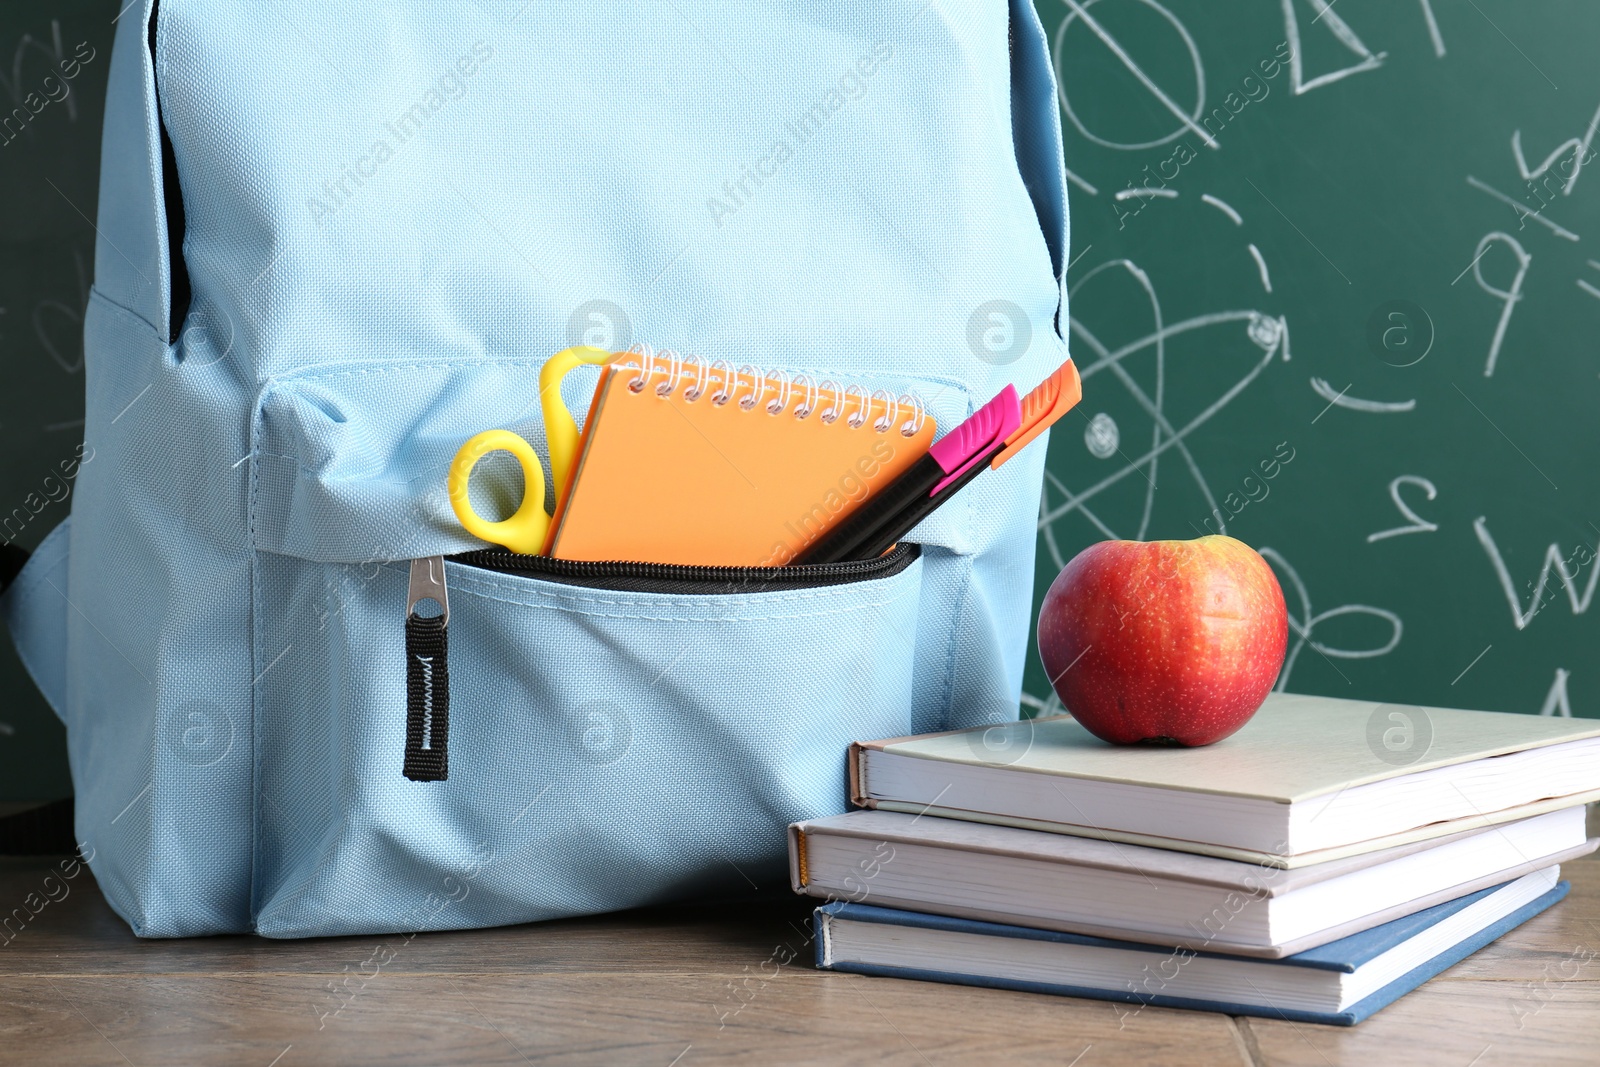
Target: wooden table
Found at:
x=703, y=984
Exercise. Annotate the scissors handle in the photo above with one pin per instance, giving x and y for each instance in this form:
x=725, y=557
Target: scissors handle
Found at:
x=560, y=429
x=525, y=530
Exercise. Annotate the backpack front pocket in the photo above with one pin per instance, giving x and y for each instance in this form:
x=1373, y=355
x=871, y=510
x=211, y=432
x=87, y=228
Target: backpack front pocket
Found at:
x=617, y=735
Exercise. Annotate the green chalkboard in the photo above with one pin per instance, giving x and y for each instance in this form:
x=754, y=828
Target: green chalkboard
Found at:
x=53, y=63
x=1335, y=277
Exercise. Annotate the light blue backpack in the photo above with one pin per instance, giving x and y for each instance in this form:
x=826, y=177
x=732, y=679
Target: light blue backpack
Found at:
x=338, y=239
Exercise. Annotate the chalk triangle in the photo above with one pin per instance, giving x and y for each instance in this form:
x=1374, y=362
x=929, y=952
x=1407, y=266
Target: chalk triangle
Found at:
x=1323, y=16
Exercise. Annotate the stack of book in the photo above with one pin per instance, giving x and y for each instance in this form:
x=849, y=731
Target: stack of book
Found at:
x=1329, y=857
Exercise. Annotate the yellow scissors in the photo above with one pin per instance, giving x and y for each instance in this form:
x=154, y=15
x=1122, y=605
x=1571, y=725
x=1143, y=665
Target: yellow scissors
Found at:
x=525, y=530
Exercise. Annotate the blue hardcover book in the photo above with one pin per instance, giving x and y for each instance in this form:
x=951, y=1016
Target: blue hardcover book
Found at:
x=1340, y=983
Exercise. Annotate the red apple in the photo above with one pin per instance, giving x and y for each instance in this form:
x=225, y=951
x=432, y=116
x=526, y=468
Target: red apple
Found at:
x=1165, y=642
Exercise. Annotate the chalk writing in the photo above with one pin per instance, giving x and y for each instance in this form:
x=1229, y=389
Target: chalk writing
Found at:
x=1188, y=119
x=1510, y=296
x=1556, y=702
x=1520, y=617
x=1303, y=626
x=1341, y=398
x=1342, y=33
x=1416, y=523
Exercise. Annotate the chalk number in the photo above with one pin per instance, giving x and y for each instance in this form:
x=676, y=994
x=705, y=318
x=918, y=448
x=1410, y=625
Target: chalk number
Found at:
x=1417, y=524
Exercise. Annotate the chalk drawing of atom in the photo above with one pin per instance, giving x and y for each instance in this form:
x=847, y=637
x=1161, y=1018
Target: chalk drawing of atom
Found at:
x=1122, y=502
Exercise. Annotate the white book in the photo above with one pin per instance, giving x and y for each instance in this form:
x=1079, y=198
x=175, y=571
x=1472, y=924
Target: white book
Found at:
x=1136, y=893
x=1307, y=779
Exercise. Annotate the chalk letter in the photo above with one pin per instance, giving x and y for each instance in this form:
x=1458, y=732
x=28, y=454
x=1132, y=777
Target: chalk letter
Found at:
x=1509, y=295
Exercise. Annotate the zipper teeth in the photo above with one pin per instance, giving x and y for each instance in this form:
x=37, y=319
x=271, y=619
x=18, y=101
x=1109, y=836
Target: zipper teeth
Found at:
x=500, y=560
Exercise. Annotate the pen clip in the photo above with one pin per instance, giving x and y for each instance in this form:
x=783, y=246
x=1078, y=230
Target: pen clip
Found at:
x=970, y=442
x=1053, y=398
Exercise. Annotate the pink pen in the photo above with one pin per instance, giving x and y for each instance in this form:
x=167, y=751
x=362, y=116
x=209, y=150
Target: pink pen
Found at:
x=953, y=457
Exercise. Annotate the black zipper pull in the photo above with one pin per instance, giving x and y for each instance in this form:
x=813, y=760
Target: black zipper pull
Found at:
x=427, y=674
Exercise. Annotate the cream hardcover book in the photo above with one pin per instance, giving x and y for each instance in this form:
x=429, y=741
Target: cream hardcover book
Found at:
x=1308, y=779
x=1081, y=885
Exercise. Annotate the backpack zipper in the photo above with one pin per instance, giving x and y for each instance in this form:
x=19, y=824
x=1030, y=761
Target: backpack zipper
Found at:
x=681, y=578
x=427, y=674
x=427, y=637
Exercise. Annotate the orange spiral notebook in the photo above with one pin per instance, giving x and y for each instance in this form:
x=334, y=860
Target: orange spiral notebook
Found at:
x=689, y=462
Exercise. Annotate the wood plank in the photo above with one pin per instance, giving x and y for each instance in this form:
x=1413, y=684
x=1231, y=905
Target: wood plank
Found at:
x=797, y=1016
x=37, y=1025
x=252, y=1019
x=1451, y=1023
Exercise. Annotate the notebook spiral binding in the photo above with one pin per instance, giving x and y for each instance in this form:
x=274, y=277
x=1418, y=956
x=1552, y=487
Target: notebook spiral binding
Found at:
x=749, y=386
